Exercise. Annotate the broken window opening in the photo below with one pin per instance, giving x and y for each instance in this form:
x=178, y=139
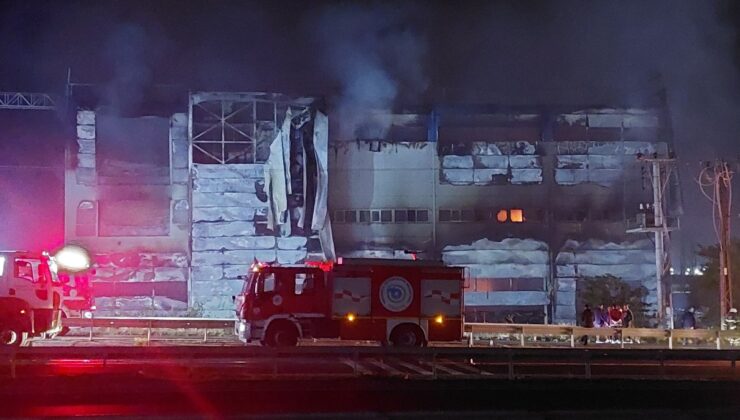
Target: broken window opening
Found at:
x=517, y=215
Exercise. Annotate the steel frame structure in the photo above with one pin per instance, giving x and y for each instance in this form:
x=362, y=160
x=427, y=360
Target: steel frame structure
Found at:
x=27, y=101
x=228, y=127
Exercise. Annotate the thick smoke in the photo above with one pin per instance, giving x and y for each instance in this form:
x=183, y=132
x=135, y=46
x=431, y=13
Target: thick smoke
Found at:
x=131, y=53
x=375, y=57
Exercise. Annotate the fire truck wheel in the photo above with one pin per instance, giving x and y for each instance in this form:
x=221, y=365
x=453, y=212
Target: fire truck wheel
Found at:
x=11, y=336
x=407, y=335
x=281, y=334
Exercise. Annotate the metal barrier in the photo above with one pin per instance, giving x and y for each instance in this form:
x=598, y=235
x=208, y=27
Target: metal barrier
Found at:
x=720, y=338
x=150, y=323
x=501, y=363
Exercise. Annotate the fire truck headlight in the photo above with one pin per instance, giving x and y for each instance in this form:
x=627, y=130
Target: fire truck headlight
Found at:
x=439, y=319
x=242, y=327
x=87, y=315
x=350, y=317
x=72, y=258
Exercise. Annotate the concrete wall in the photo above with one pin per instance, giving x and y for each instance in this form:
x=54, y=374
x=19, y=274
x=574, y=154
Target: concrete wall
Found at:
x=229, y=234
x=576, y=190
x=139, y=273
x=633, y=262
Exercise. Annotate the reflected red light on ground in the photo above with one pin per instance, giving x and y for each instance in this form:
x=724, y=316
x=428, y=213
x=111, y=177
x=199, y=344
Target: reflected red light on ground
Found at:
x=79, y=410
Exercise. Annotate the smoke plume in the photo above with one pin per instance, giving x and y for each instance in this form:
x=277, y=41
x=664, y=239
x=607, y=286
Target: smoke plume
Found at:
x=375, y=56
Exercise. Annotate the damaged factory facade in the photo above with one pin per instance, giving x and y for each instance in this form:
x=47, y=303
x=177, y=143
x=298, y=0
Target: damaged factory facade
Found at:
x=530, y=201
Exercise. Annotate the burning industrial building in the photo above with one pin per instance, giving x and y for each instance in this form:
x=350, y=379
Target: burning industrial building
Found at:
x=529, y=199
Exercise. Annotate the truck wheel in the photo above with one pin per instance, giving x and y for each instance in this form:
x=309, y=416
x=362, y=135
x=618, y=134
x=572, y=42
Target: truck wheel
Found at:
x=407, y=335
x=11, y=336
x=281, y=335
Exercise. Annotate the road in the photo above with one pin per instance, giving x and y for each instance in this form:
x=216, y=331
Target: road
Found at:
x=226, y=381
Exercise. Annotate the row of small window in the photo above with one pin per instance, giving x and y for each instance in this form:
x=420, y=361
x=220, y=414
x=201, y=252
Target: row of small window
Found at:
x=382, y=216
x=482, y=215
x=422, y=215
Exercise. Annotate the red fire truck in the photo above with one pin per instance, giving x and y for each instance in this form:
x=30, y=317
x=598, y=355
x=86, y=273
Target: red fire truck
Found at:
x=29, y=304
x=31, y=294
x=398, y=302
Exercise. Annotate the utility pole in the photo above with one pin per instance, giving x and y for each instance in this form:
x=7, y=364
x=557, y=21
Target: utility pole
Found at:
x=715, y=181
x=660, y=173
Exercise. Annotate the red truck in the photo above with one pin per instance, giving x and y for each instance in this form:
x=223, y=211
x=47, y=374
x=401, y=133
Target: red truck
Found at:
x=398, y=302
x=32, y=295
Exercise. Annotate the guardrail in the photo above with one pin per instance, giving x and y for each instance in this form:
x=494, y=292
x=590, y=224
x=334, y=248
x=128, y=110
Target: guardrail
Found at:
x=721, y=339
x=503, y=363
x=149, y=323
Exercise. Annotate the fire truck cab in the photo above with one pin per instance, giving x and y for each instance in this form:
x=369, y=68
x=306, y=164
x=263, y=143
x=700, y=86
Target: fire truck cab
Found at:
x=397, y=302
x=29, y=302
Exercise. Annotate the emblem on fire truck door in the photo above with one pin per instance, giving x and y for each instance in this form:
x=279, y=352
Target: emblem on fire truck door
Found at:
x=277, y=300
x=396, y=294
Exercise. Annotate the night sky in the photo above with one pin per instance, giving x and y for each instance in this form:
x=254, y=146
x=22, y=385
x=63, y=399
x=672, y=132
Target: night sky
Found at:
x=395, y=54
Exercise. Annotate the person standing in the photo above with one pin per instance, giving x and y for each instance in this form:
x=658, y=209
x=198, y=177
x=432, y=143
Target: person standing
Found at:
x=628, y=319
x=601, y=319
x=587, y=321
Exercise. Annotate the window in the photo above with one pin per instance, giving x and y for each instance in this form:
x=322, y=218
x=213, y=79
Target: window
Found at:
x=339, y=216
x=454, y=215
x=508, y=284
x=400, y=216
x=24, y=270
x=364, y=216
x=411, y=215
x=375, y=216
x=383, y=216
x=386, y=216
x=268, y=283
x=517, y=215
x=445, y=215
x=304, y=282
x=482, y=215
x=422, y=216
